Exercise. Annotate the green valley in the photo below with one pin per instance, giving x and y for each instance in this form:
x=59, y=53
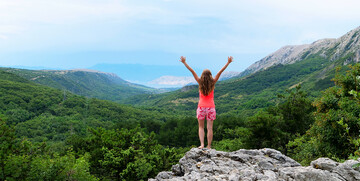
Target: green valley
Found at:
x=54, y=126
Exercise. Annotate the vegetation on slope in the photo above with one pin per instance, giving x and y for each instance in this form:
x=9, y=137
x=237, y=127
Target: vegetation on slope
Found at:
x=85, y=82
x=47, y=135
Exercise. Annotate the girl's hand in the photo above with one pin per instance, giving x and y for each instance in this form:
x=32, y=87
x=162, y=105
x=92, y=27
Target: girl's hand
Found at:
x=230, y=59
x=182, y=59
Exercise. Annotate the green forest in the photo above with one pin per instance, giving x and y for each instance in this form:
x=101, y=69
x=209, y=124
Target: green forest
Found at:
x=52, y=134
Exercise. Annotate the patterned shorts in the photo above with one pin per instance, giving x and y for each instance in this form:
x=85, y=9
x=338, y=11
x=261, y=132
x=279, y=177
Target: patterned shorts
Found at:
x=209, y=112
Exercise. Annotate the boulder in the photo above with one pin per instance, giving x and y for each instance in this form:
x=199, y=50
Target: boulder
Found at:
x=262, y=164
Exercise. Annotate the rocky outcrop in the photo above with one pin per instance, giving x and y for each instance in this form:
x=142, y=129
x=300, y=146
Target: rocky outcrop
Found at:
x=251, y=165
x=285, y=55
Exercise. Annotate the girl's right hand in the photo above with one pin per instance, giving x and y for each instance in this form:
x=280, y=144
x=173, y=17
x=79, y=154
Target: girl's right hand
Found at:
x=230, y=59
x=182, y=59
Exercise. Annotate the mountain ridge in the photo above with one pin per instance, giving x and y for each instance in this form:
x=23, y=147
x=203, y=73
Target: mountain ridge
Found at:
x=85, y=82
x=81, y=70
x=292, y=53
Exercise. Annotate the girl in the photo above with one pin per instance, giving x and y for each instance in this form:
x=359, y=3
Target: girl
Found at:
x=206, y=106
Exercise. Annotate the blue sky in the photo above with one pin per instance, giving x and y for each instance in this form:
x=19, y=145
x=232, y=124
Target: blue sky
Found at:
x=71, y=34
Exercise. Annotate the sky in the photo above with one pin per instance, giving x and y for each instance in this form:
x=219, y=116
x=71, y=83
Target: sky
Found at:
x=71, y=34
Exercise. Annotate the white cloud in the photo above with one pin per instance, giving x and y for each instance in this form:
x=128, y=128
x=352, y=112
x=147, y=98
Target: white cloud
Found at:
x=53, y=12
x=10, y=29
x=3, y=37
x=275, y=12
x=304, y=13
x=172, y=81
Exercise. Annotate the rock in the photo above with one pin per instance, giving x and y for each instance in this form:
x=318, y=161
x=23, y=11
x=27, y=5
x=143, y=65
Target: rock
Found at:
x=346, y=171
x=266, y=165
x=270, y=175
x=324, y=164
x=164, y=175
x=234, y=177
x=176, y=169
x=262, y=164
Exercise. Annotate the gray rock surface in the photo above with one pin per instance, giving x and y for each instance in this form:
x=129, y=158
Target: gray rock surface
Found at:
x=250, y=165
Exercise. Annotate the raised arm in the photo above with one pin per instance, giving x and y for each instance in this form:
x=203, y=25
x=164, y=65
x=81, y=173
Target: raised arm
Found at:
x=230, y=59
x=183, y=60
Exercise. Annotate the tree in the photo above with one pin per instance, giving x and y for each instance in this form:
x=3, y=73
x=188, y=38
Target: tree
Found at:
x=277, y=125
x=7, y=139
x=266, y=131
x=23, y=160
x=296, y=111
x=125, y=154
x=337, y=122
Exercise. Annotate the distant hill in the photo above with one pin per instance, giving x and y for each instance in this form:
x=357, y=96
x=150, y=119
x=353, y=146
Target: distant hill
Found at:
x=149, y=75
x=42, y=113
x=152, y=72
x=88, y=83
x=312, y=66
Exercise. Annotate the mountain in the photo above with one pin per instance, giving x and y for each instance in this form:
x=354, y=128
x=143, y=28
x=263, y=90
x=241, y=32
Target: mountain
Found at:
x=332, y=49
x=311, y=66
x=228, y=75
x=85, y=82
x=143, y=74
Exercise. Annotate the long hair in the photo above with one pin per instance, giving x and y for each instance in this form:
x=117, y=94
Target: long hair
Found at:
x=206, y=84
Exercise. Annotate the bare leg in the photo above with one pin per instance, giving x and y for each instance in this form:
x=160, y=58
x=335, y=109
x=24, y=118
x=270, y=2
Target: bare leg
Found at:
x=209, y=133
x=201, y=133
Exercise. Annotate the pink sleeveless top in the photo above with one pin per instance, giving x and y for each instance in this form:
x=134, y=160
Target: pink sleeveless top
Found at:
x=206, y=101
